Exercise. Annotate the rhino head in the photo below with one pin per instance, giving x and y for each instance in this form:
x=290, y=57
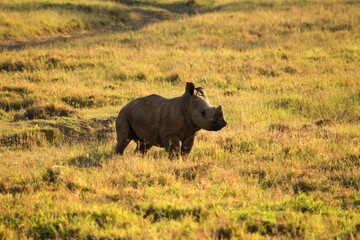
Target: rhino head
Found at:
x=202, y=113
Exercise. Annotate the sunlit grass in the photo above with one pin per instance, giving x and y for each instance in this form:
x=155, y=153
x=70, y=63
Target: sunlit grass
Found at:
x=286, y=166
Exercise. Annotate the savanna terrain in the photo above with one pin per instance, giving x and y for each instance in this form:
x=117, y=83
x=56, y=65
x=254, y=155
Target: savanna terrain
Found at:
x=286, y=73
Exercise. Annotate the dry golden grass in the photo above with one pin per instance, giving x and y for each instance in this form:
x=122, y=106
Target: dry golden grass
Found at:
x=286, y=166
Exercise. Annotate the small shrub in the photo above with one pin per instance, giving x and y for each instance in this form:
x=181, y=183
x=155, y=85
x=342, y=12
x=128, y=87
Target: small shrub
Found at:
x=156, y=214
x=268, y=71
x=173, y=78
x=284, y=103
x=279, y=127
x=84, y=161
x=224, y=233
x=91, y=101
x=13, y=101
x=16, y=89
x=44, y=230
x=303, y=187
x=339, y=27
x=268, y=228
x=52, y=176
x=91, y=159
x=140, y=76
x=47, y=61
x=304, y=203
x=2, y=187
x=322, y=122
x=347, y=180
x=293, y=104
x=13, y=66
x=229, y=93
x=290, y=70
x=79, y=101
x=227, y=229
x=305, y=26
x=101, y=219
x=235, y=145
x=120, y=76
x=46, y=112
x=73, y=187
x=190, y=2
x=32, y=137
x=16, y=189
x=192, y=172
x=263, y=227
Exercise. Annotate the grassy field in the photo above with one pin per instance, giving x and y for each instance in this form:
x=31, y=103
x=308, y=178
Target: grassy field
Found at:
x=286, y=72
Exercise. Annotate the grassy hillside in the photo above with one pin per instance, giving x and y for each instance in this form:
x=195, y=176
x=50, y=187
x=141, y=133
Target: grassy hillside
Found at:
x=286, y=166
x=31, y=21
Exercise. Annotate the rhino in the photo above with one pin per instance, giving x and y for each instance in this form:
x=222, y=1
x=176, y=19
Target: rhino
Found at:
x=168, y=123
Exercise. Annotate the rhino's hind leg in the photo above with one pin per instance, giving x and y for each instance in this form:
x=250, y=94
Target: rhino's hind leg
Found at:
x=123, y=135
x=120, y=147
x=142, y=147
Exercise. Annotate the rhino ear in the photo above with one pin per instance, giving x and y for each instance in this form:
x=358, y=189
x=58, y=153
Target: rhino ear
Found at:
x=190, y=88
x=200, y=91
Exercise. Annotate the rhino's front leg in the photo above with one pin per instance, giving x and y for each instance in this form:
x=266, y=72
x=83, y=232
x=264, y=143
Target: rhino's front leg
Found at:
x=187, y=146
x=172, y=146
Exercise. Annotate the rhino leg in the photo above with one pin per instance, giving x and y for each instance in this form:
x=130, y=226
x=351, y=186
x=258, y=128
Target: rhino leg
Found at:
x=172, y=146
x=142, y=147
x=120, y=146
x=187, y=146
x=123, y=135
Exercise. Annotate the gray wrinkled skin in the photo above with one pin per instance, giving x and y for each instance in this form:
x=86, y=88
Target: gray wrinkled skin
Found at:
x=169, y=123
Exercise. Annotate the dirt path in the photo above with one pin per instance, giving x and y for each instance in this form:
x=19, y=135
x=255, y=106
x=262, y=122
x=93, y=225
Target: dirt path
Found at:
x=142, y=18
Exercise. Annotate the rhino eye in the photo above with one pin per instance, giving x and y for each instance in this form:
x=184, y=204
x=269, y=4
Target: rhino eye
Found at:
x=203, y=113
